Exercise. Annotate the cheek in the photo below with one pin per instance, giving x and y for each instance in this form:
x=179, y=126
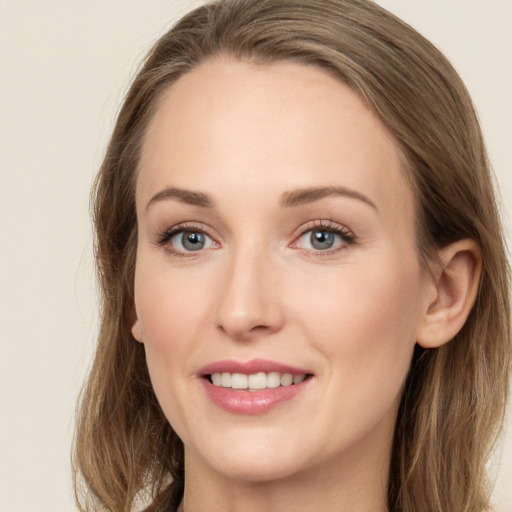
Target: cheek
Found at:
x=171, y=314
x=168, y=306
x=364, y=324
x=369, y=303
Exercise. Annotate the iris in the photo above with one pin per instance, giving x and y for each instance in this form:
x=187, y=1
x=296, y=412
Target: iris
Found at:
x=193, y=240
x=322, y=239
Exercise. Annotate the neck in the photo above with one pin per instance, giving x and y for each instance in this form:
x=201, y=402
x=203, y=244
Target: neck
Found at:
x=356, y=483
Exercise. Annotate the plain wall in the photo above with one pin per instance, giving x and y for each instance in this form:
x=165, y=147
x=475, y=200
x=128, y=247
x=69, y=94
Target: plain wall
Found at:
x=63, y=68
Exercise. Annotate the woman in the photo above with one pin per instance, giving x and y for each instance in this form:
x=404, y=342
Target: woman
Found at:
x=305, y=288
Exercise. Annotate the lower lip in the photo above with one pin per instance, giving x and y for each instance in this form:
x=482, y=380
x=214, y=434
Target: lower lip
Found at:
x=251, y=402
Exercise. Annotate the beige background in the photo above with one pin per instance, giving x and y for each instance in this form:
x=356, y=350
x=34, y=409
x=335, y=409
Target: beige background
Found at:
x=64, y=65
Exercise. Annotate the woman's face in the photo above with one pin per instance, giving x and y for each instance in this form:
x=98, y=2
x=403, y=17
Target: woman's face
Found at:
x=276, y=240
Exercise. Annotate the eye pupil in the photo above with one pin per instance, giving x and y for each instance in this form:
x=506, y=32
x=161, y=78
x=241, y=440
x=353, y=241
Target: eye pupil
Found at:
x=322, y=239
x=193, y=241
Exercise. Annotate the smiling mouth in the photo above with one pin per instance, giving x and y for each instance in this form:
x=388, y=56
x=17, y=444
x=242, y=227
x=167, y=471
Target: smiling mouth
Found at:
x=253, y=387
x=255, y=381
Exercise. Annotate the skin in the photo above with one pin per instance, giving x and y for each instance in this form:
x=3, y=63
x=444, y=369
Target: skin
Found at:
x=246, y=134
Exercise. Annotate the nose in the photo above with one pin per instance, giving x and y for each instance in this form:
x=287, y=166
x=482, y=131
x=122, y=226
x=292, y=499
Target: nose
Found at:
x=249, y=304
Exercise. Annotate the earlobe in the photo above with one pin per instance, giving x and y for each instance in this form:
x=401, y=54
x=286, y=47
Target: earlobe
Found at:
x=136, y=328
x=455, y=287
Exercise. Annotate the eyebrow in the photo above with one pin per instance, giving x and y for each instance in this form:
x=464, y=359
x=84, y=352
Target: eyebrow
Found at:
x=290, y=198
x=308, y=195
x=184, y=196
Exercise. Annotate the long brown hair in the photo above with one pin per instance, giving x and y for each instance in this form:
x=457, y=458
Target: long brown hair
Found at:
x=126, y=453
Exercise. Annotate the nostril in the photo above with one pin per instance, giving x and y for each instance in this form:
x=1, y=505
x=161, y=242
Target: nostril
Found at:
x=245, y=331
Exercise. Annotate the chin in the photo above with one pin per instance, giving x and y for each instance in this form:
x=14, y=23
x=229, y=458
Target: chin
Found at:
x=251, y=460
x=267, y=470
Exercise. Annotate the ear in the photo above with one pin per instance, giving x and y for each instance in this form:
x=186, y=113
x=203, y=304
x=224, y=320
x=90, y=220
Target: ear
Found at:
x=136, y=326
x=451, y=293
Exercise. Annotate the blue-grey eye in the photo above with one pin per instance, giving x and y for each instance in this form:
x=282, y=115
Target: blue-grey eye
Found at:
x=320, y=240
x=190, y=241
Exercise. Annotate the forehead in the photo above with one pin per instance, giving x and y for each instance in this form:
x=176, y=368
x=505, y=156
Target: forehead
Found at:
x=235, y=126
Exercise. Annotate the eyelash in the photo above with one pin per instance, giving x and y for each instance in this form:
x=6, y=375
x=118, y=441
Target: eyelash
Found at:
x=329, y=226
x=348, y=237
x=164, y=237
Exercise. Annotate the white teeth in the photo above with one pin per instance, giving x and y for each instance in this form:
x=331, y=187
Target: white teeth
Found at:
x=273, y=380
x=297, y=379
x=286, y=379
x=239, y=381
x=226, y=380
x=260, y=380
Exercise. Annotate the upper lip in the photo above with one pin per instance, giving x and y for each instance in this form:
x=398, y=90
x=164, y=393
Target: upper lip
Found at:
x=250, y=367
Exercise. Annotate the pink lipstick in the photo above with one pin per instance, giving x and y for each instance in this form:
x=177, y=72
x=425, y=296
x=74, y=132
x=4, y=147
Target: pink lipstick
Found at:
x=252, y=387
